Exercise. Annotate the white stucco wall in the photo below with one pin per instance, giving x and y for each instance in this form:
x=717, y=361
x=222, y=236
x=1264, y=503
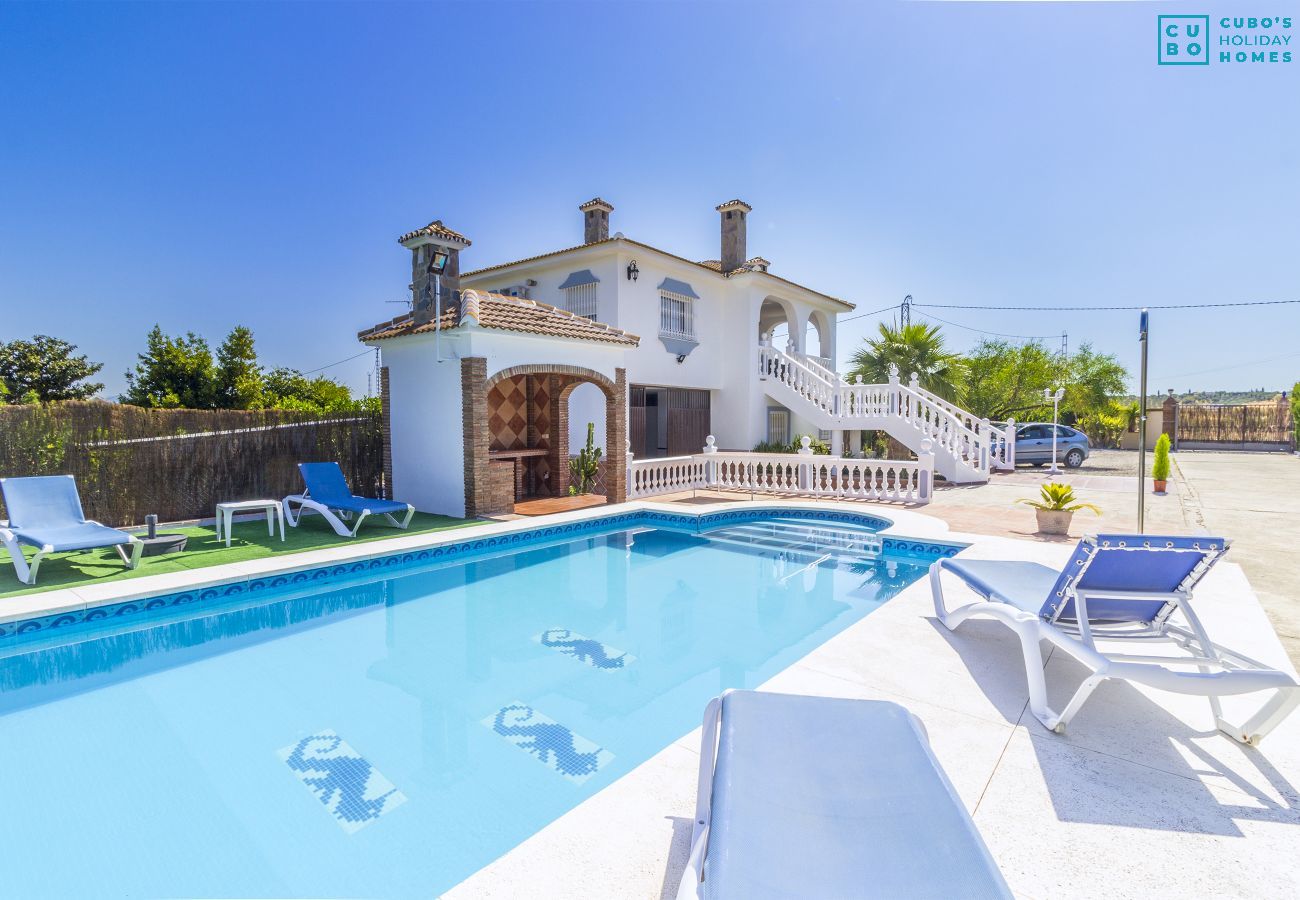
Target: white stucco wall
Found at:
x=424, y=404
x=726, y=326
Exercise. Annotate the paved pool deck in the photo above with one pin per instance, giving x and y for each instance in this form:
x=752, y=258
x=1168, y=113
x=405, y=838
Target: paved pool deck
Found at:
x=1141, y=797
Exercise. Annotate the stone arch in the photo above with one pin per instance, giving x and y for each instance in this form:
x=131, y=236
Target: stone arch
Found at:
x=483, y=490
x=583, y=374
x=774, y=312
x=820, y=322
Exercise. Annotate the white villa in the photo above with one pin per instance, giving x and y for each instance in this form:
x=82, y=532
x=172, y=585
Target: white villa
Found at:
x=490, y=381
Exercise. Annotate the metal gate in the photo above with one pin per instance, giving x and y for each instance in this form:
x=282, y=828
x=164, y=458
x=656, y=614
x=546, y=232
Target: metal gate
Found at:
x=1243, y=426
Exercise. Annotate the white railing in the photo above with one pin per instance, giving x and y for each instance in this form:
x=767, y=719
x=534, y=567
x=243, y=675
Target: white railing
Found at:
x=802, y=474
x=646, y=477
x=954, y=431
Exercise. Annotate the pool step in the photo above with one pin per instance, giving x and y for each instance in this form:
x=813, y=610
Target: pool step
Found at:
x=800, y=541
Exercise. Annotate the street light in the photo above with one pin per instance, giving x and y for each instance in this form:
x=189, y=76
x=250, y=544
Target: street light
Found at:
x=1055, y=397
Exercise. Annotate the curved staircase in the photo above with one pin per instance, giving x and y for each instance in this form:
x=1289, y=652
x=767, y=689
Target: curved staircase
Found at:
x=965, y=448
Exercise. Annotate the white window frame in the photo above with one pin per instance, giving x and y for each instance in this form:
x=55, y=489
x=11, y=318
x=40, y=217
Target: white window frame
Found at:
x=670, y=304
x=582, y=300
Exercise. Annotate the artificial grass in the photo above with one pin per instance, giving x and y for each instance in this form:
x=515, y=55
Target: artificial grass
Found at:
x=249, y=541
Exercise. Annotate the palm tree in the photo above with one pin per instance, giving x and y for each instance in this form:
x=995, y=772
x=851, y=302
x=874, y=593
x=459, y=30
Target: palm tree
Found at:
x=918, y=348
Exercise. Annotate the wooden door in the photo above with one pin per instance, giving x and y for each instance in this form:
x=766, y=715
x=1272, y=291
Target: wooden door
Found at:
x=688, y=421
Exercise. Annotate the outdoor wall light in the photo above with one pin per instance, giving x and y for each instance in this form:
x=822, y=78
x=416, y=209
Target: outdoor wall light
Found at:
x=632, y=271
x=681, y=358
x=438, y=262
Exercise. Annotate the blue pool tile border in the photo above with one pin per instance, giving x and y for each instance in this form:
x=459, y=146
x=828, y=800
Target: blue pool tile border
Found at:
x=912, y=548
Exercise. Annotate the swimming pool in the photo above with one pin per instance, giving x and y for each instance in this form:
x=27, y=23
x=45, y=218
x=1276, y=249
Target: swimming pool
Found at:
x=390, y=729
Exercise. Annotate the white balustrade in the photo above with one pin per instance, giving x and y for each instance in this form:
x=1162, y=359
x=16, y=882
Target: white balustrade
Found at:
x=802, y=474
x=954, y=432
x=665, y=476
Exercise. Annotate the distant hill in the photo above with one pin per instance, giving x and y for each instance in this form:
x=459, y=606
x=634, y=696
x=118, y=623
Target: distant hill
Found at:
x=1227, y=397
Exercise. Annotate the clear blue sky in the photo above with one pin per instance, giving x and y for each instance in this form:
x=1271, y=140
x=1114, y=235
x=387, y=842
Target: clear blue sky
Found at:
x=206, y=166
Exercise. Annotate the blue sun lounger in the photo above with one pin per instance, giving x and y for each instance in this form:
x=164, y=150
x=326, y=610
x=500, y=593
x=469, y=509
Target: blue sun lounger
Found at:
x=1117, y=588
x=328, y=494
x=821, y=797
x=45, y=513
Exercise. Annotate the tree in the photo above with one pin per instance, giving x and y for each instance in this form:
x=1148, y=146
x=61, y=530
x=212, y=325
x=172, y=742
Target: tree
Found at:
x=239, y=377
x=912, y=348
x=1006, y=380
x=173, y=372
x=45, y=369
x=290, y=389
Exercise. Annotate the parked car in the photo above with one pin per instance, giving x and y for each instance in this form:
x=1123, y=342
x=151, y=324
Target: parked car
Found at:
x=1034, y=444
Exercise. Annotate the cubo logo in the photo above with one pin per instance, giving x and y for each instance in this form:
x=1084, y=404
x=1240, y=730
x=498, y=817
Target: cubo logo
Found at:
x=1183, y=40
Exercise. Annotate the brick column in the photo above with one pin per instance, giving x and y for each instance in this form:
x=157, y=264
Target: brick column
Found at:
x=616, y=440
x=386, y=430
x=474, y=427
x=1169, y=419
x=558, y=394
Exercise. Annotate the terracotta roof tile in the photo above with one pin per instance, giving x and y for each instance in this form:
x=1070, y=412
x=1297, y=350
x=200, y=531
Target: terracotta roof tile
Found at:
x=485, y=310
x=435, y=229
x=712, y=265
x=734, y=204
x=596, y=203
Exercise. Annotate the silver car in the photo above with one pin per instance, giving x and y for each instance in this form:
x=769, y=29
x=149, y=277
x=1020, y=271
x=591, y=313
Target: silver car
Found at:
x=1034, y=444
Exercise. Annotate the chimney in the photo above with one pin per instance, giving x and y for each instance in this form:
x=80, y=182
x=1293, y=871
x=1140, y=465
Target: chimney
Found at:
x=434, y=247
x=595, y=220
x=733, y=234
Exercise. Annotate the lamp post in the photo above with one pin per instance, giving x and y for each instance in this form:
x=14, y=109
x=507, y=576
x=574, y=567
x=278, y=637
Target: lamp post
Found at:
x=1055, y=397
x=1142, y=425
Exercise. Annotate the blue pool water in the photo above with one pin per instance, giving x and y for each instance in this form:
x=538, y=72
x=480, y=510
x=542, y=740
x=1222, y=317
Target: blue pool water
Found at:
x=390, y=734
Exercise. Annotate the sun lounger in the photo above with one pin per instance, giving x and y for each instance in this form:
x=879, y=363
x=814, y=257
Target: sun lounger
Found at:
x=1119, y=588
x=45, y=513
x=328, y=494
x=818, y=797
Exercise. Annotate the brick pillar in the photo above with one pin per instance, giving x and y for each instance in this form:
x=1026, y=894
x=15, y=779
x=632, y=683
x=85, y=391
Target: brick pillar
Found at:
x=560, y=388
x=386, y=429
x=616, y=440
x=1169, y=420
x=474, y=426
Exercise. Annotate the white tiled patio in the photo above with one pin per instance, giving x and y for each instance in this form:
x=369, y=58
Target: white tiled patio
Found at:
x=1141, y=798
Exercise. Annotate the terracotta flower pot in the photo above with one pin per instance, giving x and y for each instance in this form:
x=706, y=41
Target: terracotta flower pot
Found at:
x=1160, y=484
x=1053, y=521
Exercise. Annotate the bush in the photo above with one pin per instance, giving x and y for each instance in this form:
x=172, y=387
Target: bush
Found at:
x=1295, y=413
x=1160, y=465
x=818, y=447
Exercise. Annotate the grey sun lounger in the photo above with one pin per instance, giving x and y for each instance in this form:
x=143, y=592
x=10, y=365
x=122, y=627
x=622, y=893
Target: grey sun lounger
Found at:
x=814, y=797
x=45, y=513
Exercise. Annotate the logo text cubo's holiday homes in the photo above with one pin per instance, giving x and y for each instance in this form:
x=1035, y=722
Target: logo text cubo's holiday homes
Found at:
x=1193, y=40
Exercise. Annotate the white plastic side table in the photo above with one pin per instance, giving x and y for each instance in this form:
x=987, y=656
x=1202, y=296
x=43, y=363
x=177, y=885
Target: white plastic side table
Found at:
x=226, y=513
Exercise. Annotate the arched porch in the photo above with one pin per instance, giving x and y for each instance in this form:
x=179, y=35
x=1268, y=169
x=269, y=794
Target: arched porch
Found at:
x=517, y=441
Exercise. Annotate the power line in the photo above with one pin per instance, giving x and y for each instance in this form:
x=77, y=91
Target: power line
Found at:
x=864, y=315
x=1110, y=308
x=339, y=363
x=1253, y=362
x=1025, y=337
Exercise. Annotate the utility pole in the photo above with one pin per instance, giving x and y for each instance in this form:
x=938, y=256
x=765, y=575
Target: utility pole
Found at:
x=1065, y=345
x=905, y=311
x=1142, y=426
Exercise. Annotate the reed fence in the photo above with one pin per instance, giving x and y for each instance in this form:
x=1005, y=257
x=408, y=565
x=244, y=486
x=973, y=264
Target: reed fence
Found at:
x=179, y=463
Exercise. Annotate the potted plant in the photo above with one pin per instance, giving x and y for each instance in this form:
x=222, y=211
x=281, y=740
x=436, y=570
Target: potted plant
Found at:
x=1160, y=465
x=1056, y=506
